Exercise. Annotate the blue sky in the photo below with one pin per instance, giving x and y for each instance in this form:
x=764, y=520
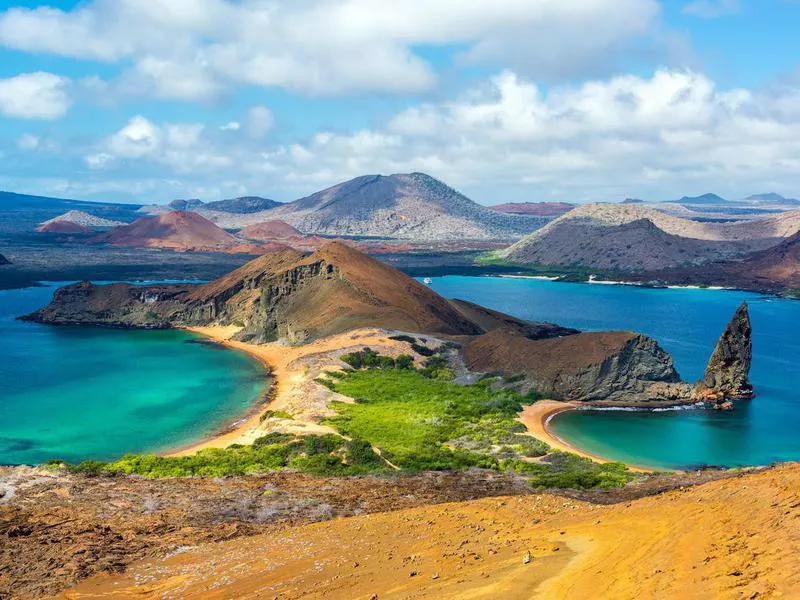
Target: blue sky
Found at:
x=513, y=100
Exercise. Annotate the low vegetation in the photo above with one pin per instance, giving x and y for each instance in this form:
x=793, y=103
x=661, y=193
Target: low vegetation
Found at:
x=317, y=454
x=404, y=417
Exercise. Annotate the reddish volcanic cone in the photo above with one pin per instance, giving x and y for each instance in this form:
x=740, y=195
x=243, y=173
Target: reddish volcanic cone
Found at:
x=177, y=230
x=270, y=230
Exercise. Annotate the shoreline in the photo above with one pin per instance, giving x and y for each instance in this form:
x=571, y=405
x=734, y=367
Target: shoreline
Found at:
x=293, y=387
x=537, y=417
x=227, y=435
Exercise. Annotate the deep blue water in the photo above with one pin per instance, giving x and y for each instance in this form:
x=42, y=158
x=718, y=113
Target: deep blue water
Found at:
x=76, y=393
x=687, y=323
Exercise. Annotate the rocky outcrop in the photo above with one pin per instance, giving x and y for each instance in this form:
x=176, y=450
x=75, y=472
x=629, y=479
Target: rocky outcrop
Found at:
x=614, y=366
x=4, y=260
x=728, y=370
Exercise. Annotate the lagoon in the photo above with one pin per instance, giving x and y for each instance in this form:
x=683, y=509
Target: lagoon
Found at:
x=78, y=393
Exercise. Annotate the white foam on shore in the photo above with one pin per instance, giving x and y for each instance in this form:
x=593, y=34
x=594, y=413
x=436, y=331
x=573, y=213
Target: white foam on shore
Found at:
x=539, y=277
x=697, y=287
x=642, y=408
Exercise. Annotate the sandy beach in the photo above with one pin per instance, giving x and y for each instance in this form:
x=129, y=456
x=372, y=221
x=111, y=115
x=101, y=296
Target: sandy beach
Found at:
x=294, y=390
x=536, y=419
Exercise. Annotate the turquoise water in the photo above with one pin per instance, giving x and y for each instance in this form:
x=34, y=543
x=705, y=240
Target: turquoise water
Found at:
x=78, y=393
x=687, y=323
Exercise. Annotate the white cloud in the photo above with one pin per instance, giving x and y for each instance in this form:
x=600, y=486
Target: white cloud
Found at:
x=34, y=96
x=232, y=126
x=196, y=49
x=657, y=137
x=712, y=9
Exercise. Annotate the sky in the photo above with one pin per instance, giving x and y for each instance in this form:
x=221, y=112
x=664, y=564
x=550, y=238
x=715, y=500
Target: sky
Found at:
x=506, y=101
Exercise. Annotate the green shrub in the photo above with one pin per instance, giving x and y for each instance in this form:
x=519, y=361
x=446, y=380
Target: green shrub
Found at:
x=275, y=414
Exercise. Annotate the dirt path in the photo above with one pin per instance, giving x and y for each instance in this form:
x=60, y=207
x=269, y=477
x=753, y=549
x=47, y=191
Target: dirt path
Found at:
x=735, y=538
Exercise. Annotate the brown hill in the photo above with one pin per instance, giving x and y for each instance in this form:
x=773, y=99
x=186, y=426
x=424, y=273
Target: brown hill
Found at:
x=535, y=209
x=177, y=230
x=777, y=265
x=269, y=231
x=280, y=295
x=63, y=227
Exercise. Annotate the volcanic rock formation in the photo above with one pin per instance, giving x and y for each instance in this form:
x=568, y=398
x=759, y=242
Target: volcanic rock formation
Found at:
x=615, y=366
x=729, y=367
x=4, y=260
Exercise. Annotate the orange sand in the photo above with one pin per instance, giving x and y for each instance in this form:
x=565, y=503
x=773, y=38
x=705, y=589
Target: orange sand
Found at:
x=733, y=538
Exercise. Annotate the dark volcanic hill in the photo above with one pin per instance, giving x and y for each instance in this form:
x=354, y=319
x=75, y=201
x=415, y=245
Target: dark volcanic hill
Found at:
x=410, y=206
x=776, y=269
x=191, y=204
x=243, y=206
x=703, y=199
x=178, y=230
x=537, y=209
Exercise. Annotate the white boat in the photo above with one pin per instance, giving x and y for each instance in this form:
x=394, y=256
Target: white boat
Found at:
x=427, y=281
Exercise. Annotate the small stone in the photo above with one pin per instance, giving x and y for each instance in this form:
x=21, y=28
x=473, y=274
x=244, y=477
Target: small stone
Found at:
x=435, y=576
x=412, y=574
x=527, y=558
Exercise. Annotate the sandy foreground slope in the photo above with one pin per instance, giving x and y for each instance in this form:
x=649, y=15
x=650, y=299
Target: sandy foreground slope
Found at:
x=734, y=538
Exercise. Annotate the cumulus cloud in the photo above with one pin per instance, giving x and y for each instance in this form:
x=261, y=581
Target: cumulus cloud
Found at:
x=672, y=133
x=34, y=96
x=195, y=49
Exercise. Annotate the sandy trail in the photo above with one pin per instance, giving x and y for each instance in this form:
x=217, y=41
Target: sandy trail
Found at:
x=735, y=538
x=293, y=369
